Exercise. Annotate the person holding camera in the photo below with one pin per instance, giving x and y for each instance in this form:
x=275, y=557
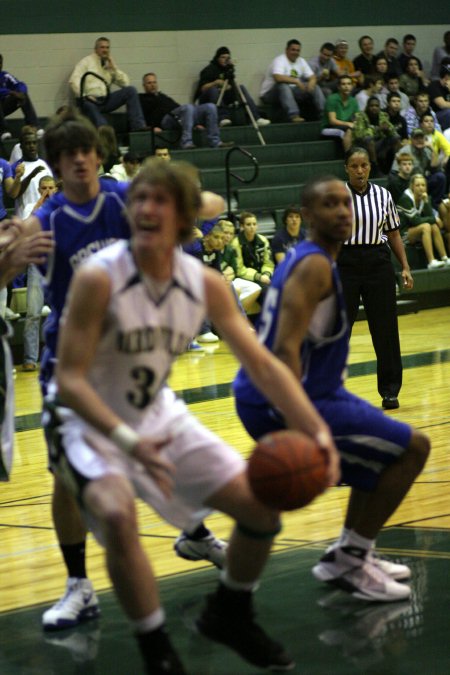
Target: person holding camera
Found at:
x=217, y=84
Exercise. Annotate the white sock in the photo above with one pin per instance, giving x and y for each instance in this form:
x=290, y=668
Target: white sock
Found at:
x=148, y=623
x=237, y=585
x=355, y=539
x=342, y=537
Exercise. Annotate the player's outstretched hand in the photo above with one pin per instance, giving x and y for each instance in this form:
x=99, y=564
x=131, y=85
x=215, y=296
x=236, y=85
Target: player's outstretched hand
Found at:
x=325, y=440
x=146, y=452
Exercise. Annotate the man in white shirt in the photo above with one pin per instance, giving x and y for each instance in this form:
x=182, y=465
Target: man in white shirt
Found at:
x=290, y=81
x=94, y=95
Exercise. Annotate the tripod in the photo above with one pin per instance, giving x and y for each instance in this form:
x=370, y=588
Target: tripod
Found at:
x=240, y=96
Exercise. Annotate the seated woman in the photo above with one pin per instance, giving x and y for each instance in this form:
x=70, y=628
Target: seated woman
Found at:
x=421, y=225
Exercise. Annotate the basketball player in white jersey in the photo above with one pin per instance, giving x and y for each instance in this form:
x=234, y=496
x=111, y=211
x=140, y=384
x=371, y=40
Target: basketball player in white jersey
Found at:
x=119, y=431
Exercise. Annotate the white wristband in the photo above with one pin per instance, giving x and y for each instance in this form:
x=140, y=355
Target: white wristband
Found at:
x=124, y=437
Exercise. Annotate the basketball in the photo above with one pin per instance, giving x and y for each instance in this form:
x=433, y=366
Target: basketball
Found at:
x=287, y=470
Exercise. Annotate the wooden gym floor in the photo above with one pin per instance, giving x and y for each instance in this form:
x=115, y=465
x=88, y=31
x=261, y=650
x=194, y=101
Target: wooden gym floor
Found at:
x=328, y=632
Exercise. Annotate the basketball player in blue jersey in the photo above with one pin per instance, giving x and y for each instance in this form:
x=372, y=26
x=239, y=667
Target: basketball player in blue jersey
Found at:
x=120, y=432
x=304, y=323
x=85, y=217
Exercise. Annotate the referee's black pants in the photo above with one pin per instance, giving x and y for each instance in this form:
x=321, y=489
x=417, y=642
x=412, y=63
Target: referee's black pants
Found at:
x=367, y=273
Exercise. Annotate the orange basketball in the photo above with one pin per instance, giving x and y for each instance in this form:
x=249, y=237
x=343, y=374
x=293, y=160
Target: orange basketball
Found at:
x=287, y=470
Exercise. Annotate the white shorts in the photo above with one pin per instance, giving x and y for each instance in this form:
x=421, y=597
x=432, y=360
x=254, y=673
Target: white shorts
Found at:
x=204, y=463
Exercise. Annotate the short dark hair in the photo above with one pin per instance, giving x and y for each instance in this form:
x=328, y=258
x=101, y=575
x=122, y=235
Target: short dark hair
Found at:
x=66, y=133
x=344, y=77
x=410, y=59
x=287, y=212
x=293, y=42
x=355, y=150
x=146, y=75
x=444, y=70
x=426, y=114
x=364, y=37
x=244, y=215
x=310, y=189
x=409, y=36
x=393, y=94
x=391, y=41
x=328, y=45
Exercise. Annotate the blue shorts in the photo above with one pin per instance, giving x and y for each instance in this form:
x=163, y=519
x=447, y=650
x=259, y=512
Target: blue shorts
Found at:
x=368, y=440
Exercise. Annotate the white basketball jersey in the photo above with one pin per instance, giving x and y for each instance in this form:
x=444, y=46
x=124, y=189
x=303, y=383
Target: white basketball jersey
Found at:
x=147, y=326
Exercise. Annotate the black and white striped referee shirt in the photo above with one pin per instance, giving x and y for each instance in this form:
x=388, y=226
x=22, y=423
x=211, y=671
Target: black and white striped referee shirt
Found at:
x=374, y=216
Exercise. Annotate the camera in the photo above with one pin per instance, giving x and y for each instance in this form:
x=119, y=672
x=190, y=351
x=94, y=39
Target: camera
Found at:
x=229, y=71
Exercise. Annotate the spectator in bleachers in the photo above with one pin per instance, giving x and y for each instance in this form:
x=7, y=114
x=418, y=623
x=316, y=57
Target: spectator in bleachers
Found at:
x=381, y=67
x=374, y=131
x=439, y=92
x=393, y=108
x=436, y=140
x=325, y=69
x=390, y=52
x=220, y=73
x=163, y=153
x=28, y=169
x=420, y=224
x=254, y=257
x=247, y=291
x=419, y=105
x=14, y=95
x=392, y=86
x=399, y=182
x=364, y=62
x=439, y=54
x=290, y=81
x=409, y=44
x=373, y=85
x=162, y=112
x=127, y=169
x=339, y=113
x=426, y=162
x=411, y=81
x=345, y=65
x=290, y=234
x=96, y=97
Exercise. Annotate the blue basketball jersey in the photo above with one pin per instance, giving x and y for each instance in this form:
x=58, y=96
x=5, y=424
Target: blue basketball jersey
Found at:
x=323, y=358
x=79, y=231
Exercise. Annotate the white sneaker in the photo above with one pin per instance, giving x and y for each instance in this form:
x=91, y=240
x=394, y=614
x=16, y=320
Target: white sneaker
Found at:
x=395, y=570
x=446, y=260
x=435, y=264
x=79, y=603
x=349, y=570
x=45, y=311
x=207, y=337
x=262, y=122
x=208, y=548
x=225, y=122
x=10, y=315
x=5, y=136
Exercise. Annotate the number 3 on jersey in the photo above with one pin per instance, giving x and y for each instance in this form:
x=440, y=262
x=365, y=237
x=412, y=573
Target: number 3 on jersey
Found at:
x=142, y=394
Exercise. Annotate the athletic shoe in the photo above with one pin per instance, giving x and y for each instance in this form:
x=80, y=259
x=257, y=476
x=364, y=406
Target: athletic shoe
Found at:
x=225, y=122
x=239, y=631
x=348, y=569
x=390, y=403
x=195, y=347
x=208, y=548
x=296, y=119
x=263, y=122
x=395, y=570
x=78, y=604
x=82, y=643
x=10, y=315
x=29, y=367
x=435, y=264
x=188, y=146
x=45, y=311
x=207, y=337
x=446, y=260
x=5, y=136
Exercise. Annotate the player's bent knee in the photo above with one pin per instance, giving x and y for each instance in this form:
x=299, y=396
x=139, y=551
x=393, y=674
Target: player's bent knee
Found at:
x=260, y=535
x=419, y=448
